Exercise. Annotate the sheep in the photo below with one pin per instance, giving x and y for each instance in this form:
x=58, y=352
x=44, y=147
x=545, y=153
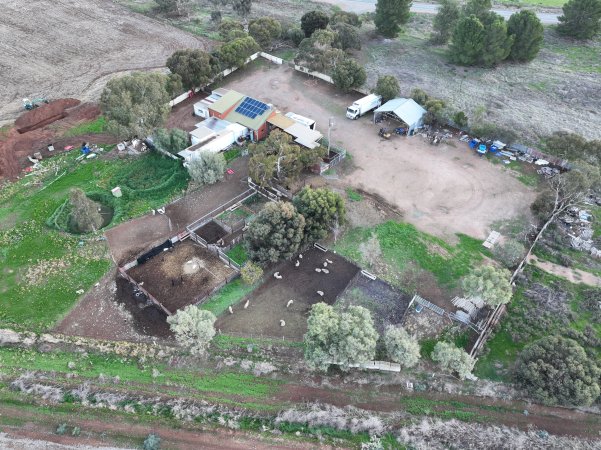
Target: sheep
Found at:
x=300, y=256
x=277, y=275
x=329, y=262
x=320, y=293
x=317, y=269
x=282, y=323
x=246, y=304
x=325, y=264
x=297, y=263
x=230, y=310
x=290, y=302
x=326, y=271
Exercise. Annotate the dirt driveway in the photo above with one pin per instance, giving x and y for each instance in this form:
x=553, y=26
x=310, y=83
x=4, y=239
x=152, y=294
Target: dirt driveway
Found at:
x=442, y=190
x=71, y=48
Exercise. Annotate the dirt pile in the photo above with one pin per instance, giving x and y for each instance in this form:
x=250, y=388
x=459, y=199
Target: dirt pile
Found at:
x=15, y=146
x=44, y=114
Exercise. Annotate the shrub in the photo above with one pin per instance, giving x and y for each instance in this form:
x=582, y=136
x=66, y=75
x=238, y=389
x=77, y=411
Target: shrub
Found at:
x=348, y=74
x=528, y=33
x=296, y=35
x=61, y=429
x=400, y=347
x=85, y=214
x=265, y=30
x=581, y=19
x=226, y=26
x=193, y=328
x=453, y=359
x=509, y=253
x=556, y=370
x=322, y=209
x=251, y=273
x=314, y=20
x=207, y=168
x=489, y=284
x=390, y=15
x=388, y=87
x=173, y=140
x=152, y=442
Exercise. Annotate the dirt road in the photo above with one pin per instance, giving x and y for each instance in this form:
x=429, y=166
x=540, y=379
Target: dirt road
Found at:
x=363, y=6
x=71, y=48
x=572, y=275
x=442, y=190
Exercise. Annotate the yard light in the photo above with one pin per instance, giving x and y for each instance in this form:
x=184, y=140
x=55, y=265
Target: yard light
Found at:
x=330, y=126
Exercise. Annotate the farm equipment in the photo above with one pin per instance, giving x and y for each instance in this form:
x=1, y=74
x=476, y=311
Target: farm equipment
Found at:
x=31, y=104
x=384, y=133
x=400, y=131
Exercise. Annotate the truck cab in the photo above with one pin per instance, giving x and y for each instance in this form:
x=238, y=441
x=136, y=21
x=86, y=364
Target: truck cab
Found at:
x=352, y=112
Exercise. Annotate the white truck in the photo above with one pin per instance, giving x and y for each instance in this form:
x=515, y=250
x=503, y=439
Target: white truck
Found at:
x=363, y=105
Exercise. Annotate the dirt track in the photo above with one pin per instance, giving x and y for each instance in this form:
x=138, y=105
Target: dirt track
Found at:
x=71, y=48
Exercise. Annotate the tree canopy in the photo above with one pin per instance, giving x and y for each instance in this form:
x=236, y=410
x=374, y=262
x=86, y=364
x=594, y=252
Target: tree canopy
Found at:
x=467, y=43
x=193, y=328
x=319, y=53
x=195, y=67
x=453, y=359
x=241, y=7
x=556, y=370
x=347, y=36
x=497, y=41
x=581, y=19
x=445, y=21
x=349, y=74
x=322, y=209
x=171, y=140
x=528, y=34
x=207, y=168
x=275, y=234
x=488, y=283
x=313, y=21
x=136, y=104
x=345, y=337
x=236, y=52
x=227, y=26
x=265, y=30
x=251, y=273
x=388, y=87
x=390, y=15
x=400, y=347
x=85, y=214
x=478, y=8
x=348, y=17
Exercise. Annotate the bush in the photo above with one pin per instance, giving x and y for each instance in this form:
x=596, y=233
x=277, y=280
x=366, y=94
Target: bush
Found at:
x=510, y=253
x=312, y=21
x=322, y=209
x=85, y=214
x=226, y=26
x=489, y=284
x=173, y=140
x=400, y=347
x=61, y=429
x=388, y=87
x=296, y=35
x=460, y=119
x=556, y=370
x=251, y=273
x=348, y=74
x=152, y=442
x=265, y=30
x=453, y=359
x=193, y=328
x=207, y=168
x=581, y=19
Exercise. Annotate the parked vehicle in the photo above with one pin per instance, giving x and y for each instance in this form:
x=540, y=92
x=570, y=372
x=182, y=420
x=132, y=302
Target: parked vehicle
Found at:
x=363, y=105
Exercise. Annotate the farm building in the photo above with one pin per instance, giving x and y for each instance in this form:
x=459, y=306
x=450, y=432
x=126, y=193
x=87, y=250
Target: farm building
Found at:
x=201, y=108
x=305, y=121
x=214, y=135
x=225, y=104
x=302, y=133
x=252, y=114
x=405, y=110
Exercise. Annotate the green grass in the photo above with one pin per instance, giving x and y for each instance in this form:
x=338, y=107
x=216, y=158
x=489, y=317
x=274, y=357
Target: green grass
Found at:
x=403, y=245
x=544, y=3
x=580, y=57
x=228, y=295
x=92, y=127
x=287, y=54
x=130, y=370
x=353, y=195
x=27, y=244
x=232, y=154
x=238, y=253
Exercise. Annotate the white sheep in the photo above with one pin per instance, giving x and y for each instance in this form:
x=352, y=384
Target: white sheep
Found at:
x=246, y=304
x=320, y=293
x=317, y=269
x=230, y=310
x=277, y=275
x=282, y=323
x=329, y=262
x=297, y=263
x=326, y=271
x=290, y=302
x=325, y=264
x=300, y=256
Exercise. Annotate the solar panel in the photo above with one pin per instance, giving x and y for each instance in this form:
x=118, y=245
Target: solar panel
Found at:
x=251, y=108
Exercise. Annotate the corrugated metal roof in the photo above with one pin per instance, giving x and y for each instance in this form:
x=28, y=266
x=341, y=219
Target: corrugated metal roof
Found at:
x=253, y=124
x=406, y=109
x=281, y=121
x=227, y=101
x=304, y=135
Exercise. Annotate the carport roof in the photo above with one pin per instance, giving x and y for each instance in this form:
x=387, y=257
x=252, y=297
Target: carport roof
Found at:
x=281, y=121
x=405, y=109
x=303, y=135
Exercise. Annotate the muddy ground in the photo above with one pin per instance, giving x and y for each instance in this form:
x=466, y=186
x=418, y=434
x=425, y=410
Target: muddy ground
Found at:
x=268, y=303
x=72, y=48
x=442, y=190
x=182, y=275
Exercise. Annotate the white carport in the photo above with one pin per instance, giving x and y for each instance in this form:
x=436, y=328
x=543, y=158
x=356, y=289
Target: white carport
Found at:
x=406, y=110
x=303, y=135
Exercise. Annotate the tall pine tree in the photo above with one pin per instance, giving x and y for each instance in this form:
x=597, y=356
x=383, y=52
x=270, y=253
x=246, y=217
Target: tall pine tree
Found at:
x=445, y=21
x=528, y=32
x=497, y=43
x=468, y=41
x=581, y=19
x=478, y=8
x=390, y=15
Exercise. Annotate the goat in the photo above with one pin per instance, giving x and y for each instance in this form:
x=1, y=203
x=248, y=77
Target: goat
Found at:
x=290, y=302
x=246, y=304
x=230, y=310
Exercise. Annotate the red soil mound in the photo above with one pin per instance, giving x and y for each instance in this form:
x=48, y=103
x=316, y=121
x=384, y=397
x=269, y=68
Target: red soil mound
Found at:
x=44, y=115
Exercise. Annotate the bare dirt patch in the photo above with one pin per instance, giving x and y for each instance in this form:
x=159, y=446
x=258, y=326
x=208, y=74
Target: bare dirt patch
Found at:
x=442, y=189
x=72, y=48
x=268, y=303
x=182, y=275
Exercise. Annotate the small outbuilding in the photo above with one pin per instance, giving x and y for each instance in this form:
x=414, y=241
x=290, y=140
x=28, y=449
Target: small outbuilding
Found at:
x=405, y=110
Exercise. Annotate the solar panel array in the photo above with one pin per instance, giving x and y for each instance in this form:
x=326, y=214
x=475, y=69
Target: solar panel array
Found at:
x=251, y=108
